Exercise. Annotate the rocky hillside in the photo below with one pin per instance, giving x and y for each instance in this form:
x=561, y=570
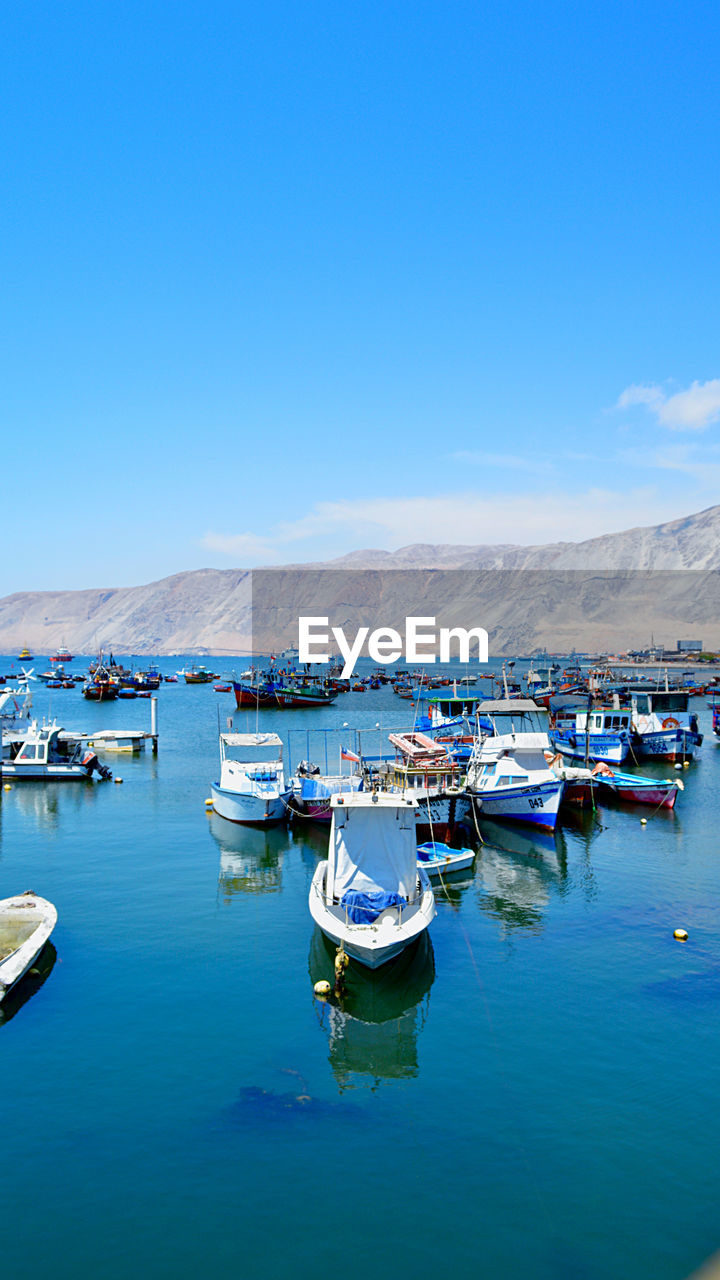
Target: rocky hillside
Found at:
x=588, y=597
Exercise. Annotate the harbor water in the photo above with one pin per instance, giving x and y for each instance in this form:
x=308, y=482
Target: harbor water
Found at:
x=530, y=1094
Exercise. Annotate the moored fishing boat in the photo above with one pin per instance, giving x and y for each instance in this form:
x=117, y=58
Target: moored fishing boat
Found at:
x=662, y=727
x=634, y=788
x=252, y=785
x=103, y=682
x=369, y=895
x=62, y=654
x=303, y=695
x=26, y=922
x=46, y=753
x=313, y=790
x=424, y=771
x=199, y=675
x=508, y=775
x=598, y=733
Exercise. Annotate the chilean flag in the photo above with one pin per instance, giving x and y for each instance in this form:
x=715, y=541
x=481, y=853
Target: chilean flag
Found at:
x=349, y=755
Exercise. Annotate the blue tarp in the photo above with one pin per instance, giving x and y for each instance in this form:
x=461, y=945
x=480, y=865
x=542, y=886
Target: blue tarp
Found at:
x=363, y=908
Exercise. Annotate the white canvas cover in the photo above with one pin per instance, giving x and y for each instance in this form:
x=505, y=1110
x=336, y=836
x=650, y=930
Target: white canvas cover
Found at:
x=373, y=846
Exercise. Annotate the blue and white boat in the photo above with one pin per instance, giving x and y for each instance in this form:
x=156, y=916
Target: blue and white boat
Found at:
x=508, y=775
x=252, y=785
x=662, y=726
x=601, y=734
x=438, y=859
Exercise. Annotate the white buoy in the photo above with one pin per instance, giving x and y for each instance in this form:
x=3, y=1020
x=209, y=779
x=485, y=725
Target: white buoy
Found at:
x=681, y=935
x=118, y=779
x=322, y=988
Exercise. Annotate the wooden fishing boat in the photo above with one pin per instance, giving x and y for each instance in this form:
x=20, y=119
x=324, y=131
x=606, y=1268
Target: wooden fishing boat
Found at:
x=199, y=675
x=310, y=695
x=634, y=788
x=26, y=922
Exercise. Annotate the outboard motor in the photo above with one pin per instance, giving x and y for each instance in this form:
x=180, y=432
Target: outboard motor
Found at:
x=91, y=762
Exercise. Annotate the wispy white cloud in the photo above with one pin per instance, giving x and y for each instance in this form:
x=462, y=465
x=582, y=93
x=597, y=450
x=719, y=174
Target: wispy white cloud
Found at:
x=682, y=459
x=638, y=394
x=691, y=410
x=242, y=546
x=332, y=528
x=507, y=461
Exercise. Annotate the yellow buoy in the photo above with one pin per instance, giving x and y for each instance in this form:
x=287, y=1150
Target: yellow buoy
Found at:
x=643, y=822
x=209, y=803
x=7, y=787
x=681, y=935
x=118, y=779
x=322, y=988
x=686, y=764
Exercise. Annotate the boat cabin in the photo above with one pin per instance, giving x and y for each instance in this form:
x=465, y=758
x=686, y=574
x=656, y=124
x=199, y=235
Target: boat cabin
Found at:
x=257, y=756
x=421, y=763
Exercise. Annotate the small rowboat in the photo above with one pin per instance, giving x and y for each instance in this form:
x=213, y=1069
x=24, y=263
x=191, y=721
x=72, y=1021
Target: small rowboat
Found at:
x=26, y=922
x=222, y=688
x=637, y=789
x=438, y=859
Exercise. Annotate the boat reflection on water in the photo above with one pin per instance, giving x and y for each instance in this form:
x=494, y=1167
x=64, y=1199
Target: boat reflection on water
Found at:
x=48, y=804
x=373, y=1028
x=28, y=985
x=250, y=857
x=517, y=871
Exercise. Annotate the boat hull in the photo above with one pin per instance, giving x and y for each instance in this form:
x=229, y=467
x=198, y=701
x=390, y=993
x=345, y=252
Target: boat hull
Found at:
x=603, y=748
x=33, y=772
x=26, y=922
x=667, y=744
x=251, y=809
x=372, y=945
x=535, y=805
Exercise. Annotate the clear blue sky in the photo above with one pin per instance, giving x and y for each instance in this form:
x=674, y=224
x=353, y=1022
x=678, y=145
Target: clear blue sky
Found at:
x=284, y=280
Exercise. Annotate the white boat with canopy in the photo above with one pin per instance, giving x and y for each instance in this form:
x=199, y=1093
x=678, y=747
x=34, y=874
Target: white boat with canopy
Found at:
x=369, y=895
x=252, y=785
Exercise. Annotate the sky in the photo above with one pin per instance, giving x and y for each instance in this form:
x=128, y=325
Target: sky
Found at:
x=283, y=281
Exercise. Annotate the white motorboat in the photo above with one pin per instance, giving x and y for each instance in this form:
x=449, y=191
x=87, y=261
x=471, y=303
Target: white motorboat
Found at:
x=26, y=922
x=46, y=752
x=508, y=776
x=369, y=894
x=252, y=785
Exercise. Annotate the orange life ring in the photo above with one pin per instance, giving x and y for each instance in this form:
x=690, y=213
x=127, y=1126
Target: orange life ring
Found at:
x=670, y=723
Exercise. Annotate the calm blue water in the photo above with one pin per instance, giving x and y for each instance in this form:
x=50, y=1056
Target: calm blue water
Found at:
x=533, y=1094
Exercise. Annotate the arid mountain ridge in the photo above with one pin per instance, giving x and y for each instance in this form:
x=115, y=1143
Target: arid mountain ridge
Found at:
x=601, y=593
